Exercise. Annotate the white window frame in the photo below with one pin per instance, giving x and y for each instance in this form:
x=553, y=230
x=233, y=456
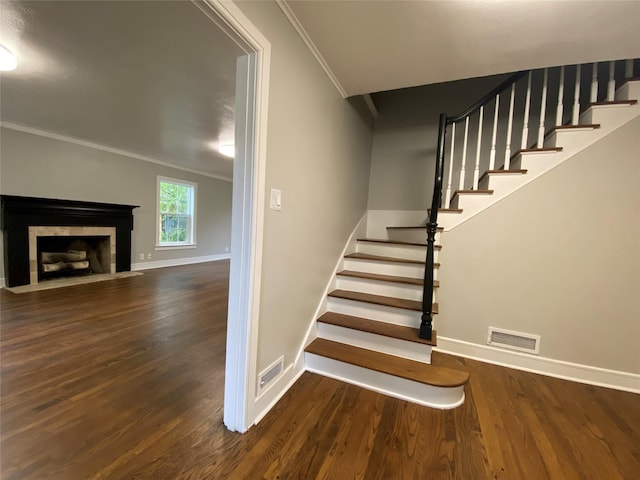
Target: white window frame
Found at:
x=191, y=224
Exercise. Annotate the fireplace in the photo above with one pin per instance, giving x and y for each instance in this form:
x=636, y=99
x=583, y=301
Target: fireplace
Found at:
x=63, y=251
x=48, y=238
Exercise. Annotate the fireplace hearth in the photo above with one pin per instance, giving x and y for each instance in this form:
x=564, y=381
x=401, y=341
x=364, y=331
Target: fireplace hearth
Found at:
x=47, y=238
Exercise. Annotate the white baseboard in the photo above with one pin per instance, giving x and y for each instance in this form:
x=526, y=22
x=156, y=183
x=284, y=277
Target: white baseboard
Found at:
x=178, y=261
x=601, y=377
x=2, y=284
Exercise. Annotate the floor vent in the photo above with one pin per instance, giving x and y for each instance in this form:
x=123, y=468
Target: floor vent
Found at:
x=269, y=374
x=523, y=342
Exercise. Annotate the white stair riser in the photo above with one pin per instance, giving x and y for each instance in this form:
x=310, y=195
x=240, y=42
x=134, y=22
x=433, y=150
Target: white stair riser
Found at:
x=385, y=268
x=387, y=289
x=411, y=235
x=418, y=352
x=608, y=115
x=382, y=313
x=472, y=202
x=526, y=159
x=501, y=182
x=629, y=91
x=428, y=395
x=407, y=252
x=569, y=138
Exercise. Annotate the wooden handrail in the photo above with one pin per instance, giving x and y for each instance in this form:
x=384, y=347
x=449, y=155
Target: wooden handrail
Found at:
x=426, y=324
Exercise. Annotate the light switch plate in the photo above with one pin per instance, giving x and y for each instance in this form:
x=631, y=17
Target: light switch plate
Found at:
x=275, y=202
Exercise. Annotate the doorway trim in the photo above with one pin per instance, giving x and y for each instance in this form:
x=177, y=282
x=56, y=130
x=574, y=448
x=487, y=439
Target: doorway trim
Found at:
x=252, y=91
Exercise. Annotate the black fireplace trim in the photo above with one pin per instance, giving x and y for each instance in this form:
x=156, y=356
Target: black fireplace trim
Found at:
x=19, y=213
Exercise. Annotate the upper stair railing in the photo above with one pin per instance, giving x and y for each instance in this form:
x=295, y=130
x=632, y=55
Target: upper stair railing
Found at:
x=517, y=113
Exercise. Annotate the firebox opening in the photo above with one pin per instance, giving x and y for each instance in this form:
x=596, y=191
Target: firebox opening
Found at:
x=63, y=256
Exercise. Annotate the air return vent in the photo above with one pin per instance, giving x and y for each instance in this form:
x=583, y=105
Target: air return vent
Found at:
x=269, y=374
x=523, y=342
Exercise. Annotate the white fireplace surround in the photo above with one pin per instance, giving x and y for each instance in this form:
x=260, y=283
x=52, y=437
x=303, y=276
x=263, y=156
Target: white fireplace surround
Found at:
x=68, y=231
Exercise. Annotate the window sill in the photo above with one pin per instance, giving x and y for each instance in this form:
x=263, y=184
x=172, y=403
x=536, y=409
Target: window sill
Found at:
x=175, y=247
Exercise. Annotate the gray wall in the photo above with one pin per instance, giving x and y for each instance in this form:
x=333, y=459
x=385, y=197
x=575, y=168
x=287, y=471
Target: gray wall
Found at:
x=318, y=154
x=405, y=137
x=37, y=166
x=559, y=258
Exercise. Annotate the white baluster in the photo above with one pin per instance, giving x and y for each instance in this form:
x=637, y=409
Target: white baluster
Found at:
x=507, y=151
x=492, y=156
x=628, y=69
x=476, y=170
x=447, y=200
x=527, y=104
x=464, y=154
x=559, y=111
x=611, y=87
x=576, y=98
x=543, y=108
x=594, y=83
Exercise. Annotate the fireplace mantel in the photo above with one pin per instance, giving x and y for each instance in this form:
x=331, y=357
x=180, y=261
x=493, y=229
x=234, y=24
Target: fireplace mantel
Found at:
x=20, y=213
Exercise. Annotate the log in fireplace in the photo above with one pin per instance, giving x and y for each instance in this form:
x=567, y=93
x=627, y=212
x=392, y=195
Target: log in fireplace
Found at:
x=46, y=237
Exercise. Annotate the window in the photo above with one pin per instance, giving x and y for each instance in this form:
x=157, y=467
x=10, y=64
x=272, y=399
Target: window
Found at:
x=176, y=212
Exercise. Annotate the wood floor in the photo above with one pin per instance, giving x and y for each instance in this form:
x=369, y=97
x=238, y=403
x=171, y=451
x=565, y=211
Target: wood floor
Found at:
x=124, y=379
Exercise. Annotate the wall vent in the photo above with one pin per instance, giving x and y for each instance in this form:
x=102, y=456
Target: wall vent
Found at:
x=523, y=342
x=269, y=374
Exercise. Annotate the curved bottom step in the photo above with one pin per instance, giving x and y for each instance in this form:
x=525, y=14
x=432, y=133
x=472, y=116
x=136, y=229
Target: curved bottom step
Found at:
x=428, y=385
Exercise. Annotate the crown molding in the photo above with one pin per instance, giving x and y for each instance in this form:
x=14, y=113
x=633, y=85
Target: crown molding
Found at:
x=104, y=148
x=284, y=6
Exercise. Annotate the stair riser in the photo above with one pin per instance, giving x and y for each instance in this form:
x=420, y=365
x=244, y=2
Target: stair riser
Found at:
x=411, y=235
x=396, y=251
x=472, y=202
x=629, y=91
x=524, y=160
x=387, y=289
x=427, y=395
x=609, y=115
x=398, y=316
x=569, y=139
x=499, y=183
x=385, y=268
x=418, y=352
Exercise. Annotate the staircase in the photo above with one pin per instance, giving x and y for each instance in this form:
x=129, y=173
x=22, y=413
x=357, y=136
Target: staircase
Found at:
x=369, y=335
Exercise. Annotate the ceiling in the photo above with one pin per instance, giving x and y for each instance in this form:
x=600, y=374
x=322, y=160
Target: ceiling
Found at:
x=372, y=46
x=155, y=79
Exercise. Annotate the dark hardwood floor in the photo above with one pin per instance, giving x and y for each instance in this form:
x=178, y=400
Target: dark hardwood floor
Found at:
x=124, y=379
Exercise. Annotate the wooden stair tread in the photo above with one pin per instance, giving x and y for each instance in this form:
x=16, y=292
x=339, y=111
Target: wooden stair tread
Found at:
x=471, y=192
x=612, y=102
x=536, y=150
x=502, y=172
x=397, y=242
x=592, y=126
x=448, y=210
x=379, y=328
x=381, y=300
x=418, y=227
x=400, y=367
x=386, y=278
x=379, y=258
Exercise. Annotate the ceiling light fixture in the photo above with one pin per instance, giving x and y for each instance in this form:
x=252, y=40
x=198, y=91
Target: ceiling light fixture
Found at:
x=8, y=60
x=227, y=150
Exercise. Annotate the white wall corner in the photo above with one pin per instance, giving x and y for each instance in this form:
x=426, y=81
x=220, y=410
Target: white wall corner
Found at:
x=178, y=261
x=371, y=105
x=601, y=377
x=314, y=50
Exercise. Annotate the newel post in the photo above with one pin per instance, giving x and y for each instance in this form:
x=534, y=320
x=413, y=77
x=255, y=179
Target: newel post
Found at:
x=426, y=327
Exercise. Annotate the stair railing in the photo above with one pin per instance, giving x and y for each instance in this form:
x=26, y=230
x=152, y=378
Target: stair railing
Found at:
x=537, y=99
